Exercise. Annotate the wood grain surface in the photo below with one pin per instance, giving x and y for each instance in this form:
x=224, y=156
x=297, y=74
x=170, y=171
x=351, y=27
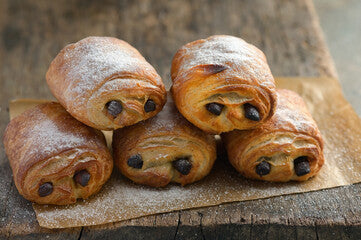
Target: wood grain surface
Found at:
x=32, y=33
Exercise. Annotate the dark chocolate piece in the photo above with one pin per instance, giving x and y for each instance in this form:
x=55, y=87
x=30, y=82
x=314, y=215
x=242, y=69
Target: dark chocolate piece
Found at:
x=215, y=108
x=135, y=161
x=82, y=177
x=149, y=106
x=114, y=108
x=213, y=68
x=45, y=189
x=263, y=168
x=251, y=112
x=302, y=166
x=182, y=165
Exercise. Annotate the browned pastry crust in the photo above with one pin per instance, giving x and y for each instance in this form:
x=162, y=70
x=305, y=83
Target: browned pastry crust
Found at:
x=47, y=145
x=87, y=75
x=160, y=141
x=290, y=134
x=225, y=70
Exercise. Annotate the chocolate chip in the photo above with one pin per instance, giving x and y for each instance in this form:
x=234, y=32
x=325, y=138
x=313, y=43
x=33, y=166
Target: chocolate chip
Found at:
x=263, y=168
x=149, y=106
x=82, y=177
x=135, y=161
x=251, y=112
x=215, y=108
x=45, y=189
x=302, y=166
x=182, y=165
x=114, y=108
x=213, y=69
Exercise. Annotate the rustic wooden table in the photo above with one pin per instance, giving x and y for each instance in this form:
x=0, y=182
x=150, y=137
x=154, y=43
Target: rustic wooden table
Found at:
x=32, y=32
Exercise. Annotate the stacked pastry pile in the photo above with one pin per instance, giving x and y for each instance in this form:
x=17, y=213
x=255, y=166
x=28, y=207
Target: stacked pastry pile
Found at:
x=221, y=85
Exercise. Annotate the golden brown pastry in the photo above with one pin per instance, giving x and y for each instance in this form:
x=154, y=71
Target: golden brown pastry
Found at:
x=287, y=147
x=56, y=159
x=105, y=83
x=166, y=148
x=223, y=83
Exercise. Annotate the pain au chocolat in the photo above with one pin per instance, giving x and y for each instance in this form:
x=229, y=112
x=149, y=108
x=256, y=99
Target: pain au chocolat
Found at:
x=223, y=83
x=287, y=147
x=56, y=159
x=163, y=149
x=105, y=83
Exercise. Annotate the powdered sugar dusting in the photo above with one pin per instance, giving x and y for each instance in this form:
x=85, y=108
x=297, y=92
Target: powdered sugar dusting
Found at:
x=88, y=64
x=291, y=108
x=48, y=134
x=246, y=60
x=49, y=138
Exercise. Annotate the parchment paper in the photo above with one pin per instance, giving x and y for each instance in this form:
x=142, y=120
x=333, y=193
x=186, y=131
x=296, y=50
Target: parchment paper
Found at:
x=120, y=199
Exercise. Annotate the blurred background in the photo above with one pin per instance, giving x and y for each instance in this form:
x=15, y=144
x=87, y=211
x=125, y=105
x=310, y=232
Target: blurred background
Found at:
x=341, y=23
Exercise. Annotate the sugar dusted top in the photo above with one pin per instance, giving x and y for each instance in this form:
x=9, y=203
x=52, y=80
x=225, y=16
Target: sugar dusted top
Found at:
x=45, y=131
x=86, y=75
x=89, y=63
x=241, y=58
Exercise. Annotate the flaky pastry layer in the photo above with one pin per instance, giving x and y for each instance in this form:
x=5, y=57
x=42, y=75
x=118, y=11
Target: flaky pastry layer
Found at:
x=45, y=145
x=87, y=75
x=227, y=71
x=158, y=143
x=291, y=136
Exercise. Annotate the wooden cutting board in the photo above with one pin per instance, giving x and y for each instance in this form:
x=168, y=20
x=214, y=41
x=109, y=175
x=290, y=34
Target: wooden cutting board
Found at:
x=32, y=33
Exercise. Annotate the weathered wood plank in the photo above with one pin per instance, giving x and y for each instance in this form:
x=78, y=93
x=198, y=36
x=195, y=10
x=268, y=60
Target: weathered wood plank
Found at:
x=32, y=32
